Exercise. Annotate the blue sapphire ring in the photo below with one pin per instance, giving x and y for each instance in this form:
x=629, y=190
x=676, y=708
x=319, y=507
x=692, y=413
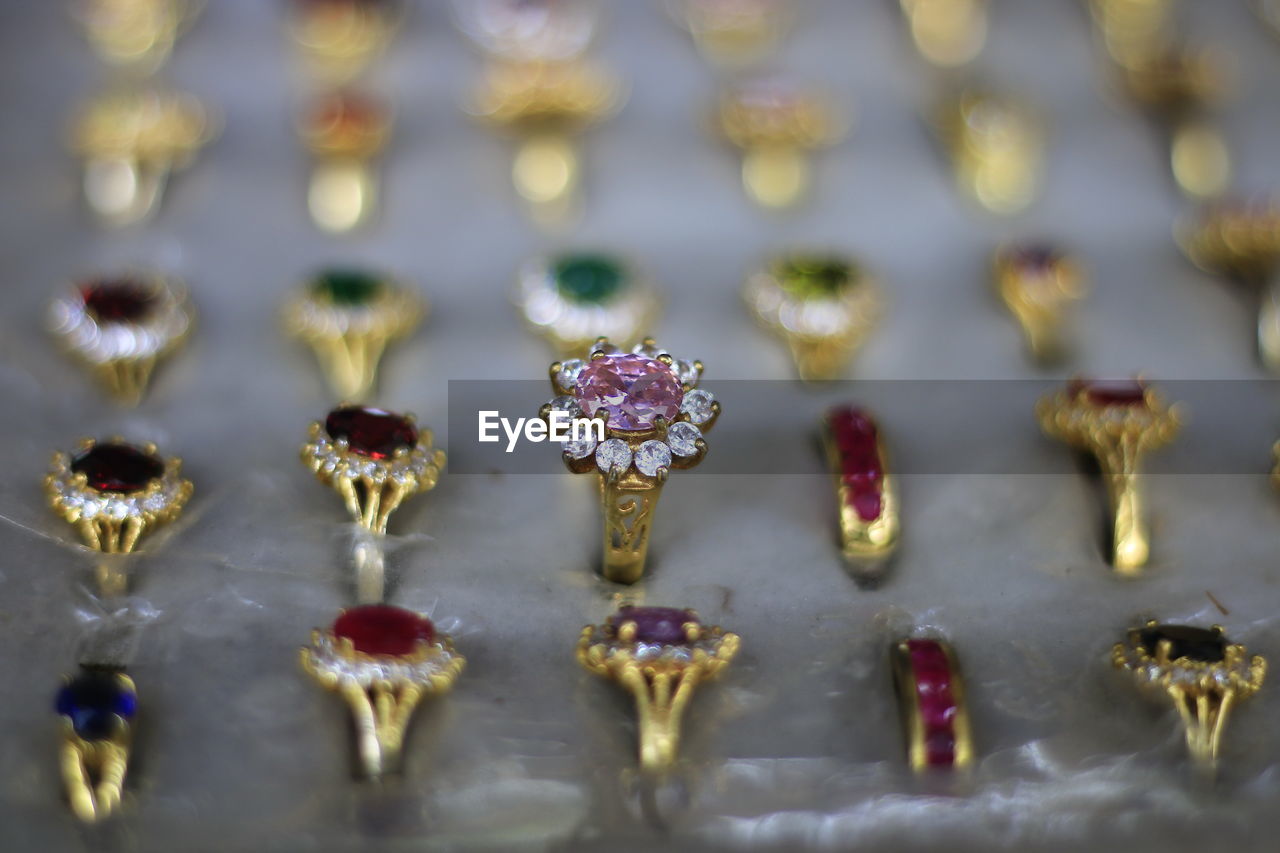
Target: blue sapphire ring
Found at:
x=97, y=708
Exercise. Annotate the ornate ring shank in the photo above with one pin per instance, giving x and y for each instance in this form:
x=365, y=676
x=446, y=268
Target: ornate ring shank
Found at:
x=628, y=503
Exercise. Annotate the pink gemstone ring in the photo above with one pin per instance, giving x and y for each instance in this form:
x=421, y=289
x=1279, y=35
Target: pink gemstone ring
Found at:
x=931, y=698
x=1116, y=421
x=383, y=660
x=865, y=490
x=635, y=417
x=658, y=654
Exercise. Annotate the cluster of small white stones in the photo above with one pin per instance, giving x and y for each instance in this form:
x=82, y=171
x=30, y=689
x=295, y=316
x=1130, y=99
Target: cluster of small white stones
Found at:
x=100, y=343
x=76, y=502
x=328, y=659
x=709, y=643
x=546, y=308
x=332, y=458
x=653, y=455
x=390, y=310
x=1185, y=672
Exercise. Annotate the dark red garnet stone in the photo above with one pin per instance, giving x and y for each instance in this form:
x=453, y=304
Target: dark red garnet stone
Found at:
x=1110, y=392
x=117, y=467
x=383, y=630
x=861, y=470
x=375, y=433
x=118, y=300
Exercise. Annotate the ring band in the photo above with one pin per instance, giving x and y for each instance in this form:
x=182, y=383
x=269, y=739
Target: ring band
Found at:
x=866, y=492
x=931, y=698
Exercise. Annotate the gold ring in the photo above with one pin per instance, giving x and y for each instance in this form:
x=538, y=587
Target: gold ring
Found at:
x=947, y=33
x=659, y=655
x=1116, y=421
x=348, y=317
x=823, y=306
x=113, y=493
x=866, y=492
x=345, y=131
x=775, y=121
x=1241, y=241
x=636, y=416
x=573, y=298
x=1179, y=87
x=131, y=143
x=136, y=33
x=734, y=32
x=546, y=104
x=383, y=660
x=1200, y=670
x=339, y=38
x=97, y=708
x=121, y=326
x=931, y=699
x=374, y=459
x=996, y=145
x=1040, y=285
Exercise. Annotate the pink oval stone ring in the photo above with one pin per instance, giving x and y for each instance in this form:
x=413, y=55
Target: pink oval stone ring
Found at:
x=635, y=416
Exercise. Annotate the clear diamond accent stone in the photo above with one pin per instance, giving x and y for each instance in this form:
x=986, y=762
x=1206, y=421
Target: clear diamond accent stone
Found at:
x=649, y=350
x=613, y=455
x=682, y=437
x=567, y=378
x=566, y=403
x=581, y=448
x=651, y=456
x=697, y=405
x=687, y=372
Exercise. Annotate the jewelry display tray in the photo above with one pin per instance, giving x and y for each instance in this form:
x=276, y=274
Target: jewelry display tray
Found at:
x=799, y=743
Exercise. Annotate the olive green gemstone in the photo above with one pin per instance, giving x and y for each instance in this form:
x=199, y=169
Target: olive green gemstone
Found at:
x=351, y=288
x=814, y=276
x=588, y=279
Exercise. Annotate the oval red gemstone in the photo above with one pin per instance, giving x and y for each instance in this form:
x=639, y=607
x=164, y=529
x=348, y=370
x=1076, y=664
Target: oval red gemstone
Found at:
x=384, y=630
x=120, y=300
x=371, y=432
x=1110, y=392
x=852, y=429
x=117, y=467
x=657, y=625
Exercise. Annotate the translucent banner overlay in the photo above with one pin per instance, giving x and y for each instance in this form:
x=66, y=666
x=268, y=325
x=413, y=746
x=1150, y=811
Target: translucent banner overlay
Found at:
x=929, y=427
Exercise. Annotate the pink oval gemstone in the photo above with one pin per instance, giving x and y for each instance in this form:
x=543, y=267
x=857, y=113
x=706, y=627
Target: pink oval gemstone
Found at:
x=383, y=630
x=633, y=390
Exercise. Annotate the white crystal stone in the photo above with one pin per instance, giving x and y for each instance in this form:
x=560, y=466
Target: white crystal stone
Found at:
x=682, y=437
x=565, y=403
x=91, y=509
x=613, y=455
x=567, y=377
x=651, y=456
x=582, y=447
x=697, y=405
x=687, y=372
x=649, y=350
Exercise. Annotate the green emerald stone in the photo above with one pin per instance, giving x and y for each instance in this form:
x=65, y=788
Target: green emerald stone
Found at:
x=588, y=279
x=814, y=276
x=351, y=288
